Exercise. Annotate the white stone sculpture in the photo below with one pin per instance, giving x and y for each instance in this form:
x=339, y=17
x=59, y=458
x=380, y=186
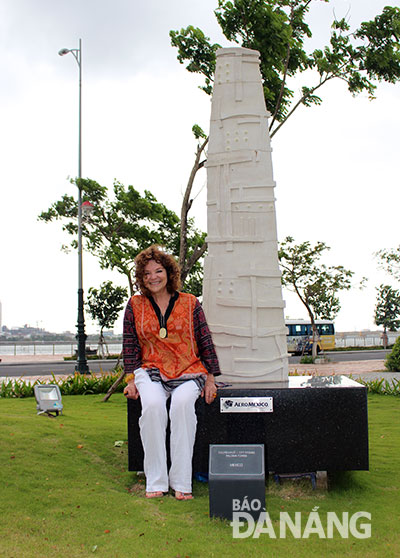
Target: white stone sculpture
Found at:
x=242, y=294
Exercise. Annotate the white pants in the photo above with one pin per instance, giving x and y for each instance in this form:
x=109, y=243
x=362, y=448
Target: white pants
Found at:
x=153, y=424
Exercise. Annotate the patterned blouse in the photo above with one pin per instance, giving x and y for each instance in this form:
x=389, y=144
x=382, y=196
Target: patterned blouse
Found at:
x=132, y=350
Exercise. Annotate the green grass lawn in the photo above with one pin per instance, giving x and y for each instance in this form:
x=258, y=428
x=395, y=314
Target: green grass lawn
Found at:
x=66, y=492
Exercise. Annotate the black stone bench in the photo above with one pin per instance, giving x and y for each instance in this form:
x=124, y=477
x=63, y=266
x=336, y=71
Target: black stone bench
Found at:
x=321, y=426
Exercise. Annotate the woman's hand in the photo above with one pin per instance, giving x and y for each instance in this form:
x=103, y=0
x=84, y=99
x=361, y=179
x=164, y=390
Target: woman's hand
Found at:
x=210, y=389
x=131, y=391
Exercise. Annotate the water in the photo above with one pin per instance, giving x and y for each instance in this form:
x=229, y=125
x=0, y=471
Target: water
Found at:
x=51, y=349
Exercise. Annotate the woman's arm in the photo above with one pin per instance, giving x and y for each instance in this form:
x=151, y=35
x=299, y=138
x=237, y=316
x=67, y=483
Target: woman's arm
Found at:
x=131, y=352
x=204, y=341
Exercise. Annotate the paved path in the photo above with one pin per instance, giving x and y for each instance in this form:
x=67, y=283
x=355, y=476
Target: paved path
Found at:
x=27, y=359
x=22, y=370
x=366, y=369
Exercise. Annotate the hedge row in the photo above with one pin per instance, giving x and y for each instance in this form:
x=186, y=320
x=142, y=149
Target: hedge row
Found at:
x=72, y=385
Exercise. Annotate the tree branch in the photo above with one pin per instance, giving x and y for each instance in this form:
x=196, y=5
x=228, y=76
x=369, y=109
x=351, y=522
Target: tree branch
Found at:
x=197, y=254
x=301, y=101
x=186, y=204
x=278, y=102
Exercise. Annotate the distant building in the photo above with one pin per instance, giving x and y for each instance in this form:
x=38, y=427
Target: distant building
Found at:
x=108, y=333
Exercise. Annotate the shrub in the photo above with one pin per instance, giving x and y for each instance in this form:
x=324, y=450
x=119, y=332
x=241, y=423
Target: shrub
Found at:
x=392, y=362
x=307, y=359
x=72, y=385
x=96, y=357
x=382, y=386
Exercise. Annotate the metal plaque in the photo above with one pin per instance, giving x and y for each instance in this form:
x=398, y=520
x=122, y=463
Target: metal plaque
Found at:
x=246, y=405
x=238, y=460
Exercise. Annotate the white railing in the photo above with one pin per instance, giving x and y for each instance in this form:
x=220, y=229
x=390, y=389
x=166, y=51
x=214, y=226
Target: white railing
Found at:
x=50, y=348
x=346, y=339
x=364, y=338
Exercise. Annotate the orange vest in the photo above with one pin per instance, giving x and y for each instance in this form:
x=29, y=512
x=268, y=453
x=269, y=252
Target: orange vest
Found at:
x=177, y=354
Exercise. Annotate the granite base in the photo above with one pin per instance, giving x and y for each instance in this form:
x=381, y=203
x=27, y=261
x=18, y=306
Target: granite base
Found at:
x=317, y=424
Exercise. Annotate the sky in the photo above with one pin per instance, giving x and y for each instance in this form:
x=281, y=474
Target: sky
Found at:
x=336, y=166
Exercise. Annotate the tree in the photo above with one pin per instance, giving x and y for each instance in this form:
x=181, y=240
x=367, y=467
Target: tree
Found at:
x=123, y=224
x=387, y=309
x=104, y=305
x=315, y=284
x=278, y=29
x=390, y=261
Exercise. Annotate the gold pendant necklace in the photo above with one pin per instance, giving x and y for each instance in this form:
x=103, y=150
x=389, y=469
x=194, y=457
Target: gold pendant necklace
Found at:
x=163, y=330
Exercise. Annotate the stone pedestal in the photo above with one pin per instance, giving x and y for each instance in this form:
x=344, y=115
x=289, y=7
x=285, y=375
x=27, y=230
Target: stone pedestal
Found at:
x=316, y=424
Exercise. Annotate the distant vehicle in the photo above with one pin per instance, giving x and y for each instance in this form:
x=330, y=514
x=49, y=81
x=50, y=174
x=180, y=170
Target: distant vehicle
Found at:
x=300, y=337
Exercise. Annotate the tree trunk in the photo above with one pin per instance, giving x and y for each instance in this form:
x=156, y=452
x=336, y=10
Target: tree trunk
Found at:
x=315, y=335
x=102, y=343
x=114, y=387
x=197, y=253
x=315, y=338
x=130, y=282
x=384, y=338
x=186, y=205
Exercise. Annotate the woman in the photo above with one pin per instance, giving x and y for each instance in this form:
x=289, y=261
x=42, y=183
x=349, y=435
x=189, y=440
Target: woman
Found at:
x=168, y=352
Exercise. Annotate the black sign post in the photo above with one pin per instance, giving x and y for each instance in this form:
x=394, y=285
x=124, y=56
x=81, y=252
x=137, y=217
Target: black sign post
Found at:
x=236, y=480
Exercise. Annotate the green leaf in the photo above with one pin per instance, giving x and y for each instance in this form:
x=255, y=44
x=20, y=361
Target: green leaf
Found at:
x=278, y=30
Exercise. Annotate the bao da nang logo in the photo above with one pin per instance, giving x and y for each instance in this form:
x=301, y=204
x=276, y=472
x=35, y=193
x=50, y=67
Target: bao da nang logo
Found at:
x=301, y=526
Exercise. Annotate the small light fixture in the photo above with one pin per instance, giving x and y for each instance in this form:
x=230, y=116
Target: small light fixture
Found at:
x=48, y=399
x=87, y=209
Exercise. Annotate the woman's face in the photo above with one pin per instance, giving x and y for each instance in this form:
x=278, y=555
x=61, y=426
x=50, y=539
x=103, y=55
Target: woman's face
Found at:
x=155, y=277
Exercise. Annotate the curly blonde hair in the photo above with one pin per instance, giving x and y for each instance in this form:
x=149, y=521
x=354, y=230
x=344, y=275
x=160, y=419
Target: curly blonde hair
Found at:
x=166, y=260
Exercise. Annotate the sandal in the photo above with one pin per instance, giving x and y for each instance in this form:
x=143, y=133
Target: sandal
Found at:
x=154, y=494
x=183, y=495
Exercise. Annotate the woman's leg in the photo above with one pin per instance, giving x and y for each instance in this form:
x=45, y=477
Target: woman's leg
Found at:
x=183, y=432
x=153, y=424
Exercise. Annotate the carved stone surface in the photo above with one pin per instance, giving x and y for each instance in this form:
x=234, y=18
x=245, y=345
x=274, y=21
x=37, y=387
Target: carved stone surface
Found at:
x=242, y=294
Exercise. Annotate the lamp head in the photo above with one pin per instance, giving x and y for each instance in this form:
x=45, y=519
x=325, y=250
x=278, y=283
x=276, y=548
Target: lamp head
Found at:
x=63, y=51
x=87, y=208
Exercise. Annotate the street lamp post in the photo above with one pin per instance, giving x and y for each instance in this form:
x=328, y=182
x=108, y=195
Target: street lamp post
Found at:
x=81, y=365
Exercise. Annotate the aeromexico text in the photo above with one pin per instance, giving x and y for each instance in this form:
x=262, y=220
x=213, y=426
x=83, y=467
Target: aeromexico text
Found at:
x=246, y=405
